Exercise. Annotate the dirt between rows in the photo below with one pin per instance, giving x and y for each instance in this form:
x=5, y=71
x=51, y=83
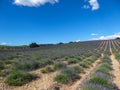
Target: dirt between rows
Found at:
x=116, y=71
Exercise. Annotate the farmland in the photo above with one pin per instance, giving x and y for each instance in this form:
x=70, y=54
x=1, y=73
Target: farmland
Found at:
x=89, y=65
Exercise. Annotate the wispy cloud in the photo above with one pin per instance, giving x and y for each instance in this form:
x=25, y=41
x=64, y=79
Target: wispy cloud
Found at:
x=78, y=40
x=34, y=3
x=86, y=6
x=108, y=37
x=94, y=34
x=3, y=43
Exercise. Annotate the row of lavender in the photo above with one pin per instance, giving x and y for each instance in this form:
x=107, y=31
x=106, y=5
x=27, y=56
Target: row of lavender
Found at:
x=101, y=78
x=71, y=74
x=117, y=56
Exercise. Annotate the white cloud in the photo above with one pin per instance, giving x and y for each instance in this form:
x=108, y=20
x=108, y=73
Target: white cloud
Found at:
x=86, y=6
x=78, y=40
x=3, y=43
x=91, y=4
x=108, y=37
x=33, y=3
x=94, y=4
x=94, y=34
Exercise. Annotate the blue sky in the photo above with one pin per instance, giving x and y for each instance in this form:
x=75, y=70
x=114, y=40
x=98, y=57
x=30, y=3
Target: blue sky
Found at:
x=53, y=21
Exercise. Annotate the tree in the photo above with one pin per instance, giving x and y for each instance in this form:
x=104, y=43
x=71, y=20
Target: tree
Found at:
x=33, y=45
x=60, y=43
x=118, y=38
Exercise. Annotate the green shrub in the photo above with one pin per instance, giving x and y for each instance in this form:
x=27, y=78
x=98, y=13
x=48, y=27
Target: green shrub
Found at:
x=10, y=57
x=31, y=65
x=78, y=57
x=59, y=66
x=47, y=69
x=66, y=76
x=78, y=69
x=99, y=80
x=83, y=57
x=88, y=62
x=106, y=61
x=72, y=61
x=84, y=65
x=2, y=65
x=103, y=70
x=45, y=62
x=8, y=61
x=117, y=56
x=24, y=66
x=5, y=72
x=66, y=57
x=69, y=73
x=19, y=78
x=92, y=59
x=106, y=65
x=61, y=78
x=89, y=88
x=35, y=65
x=43, y=70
